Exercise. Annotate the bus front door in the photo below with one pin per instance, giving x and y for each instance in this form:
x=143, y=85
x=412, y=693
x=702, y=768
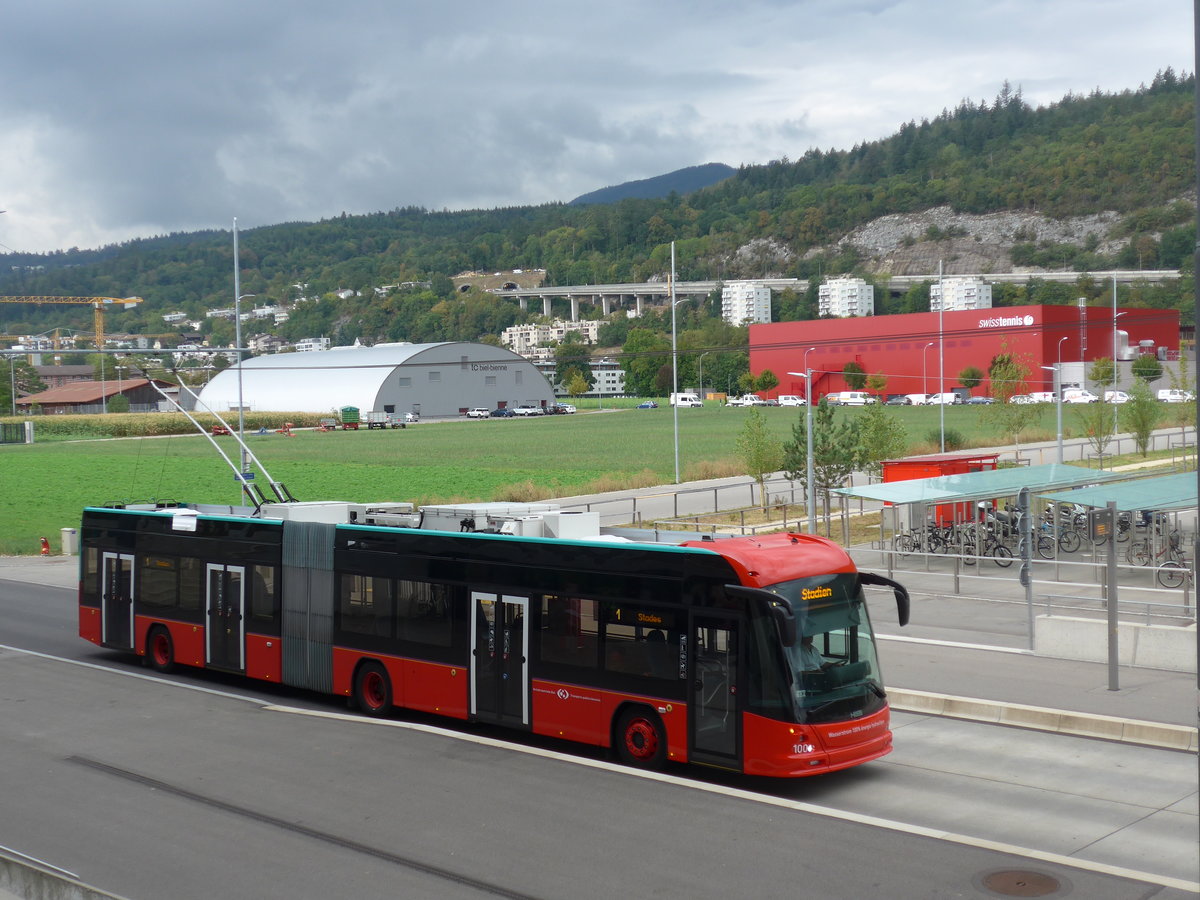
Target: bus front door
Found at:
x=499, y=659
x=715, y=720
x=225, y=610
x=116, y=593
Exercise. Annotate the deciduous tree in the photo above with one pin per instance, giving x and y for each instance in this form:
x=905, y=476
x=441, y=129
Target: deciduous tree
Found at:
x=1140, y=414
x=837, y=450
x=759, y=452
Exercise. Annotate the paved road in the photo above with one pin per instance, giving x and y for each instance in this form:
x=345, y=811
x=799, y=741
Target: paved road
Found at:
x=180, y=778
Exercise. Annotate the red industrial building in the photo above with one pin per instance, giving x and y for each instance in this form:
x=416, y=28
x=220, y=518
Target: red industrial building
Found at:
x=910, y=349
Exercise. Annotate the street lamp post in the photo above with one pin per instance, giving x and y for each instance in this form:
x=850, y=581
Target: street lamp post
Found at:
x=1057, y=370
x=237, y=339
x=1115, y=379
x=12, y=376
x=701, y=379
x=925, y=368
x=808, y=435
x=674, y=364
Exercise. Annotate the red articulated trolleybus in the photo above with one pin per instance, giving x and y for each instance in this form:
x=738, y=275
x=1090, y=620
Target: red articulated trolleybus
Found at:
x=749, y=654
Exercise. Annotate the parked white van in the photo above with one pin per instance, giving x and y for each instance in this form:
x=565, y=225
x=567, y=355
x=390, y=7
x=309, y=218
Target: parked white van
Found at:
x=1079, y=395
x=1173, y=395
x=850, y=398
x=917, y=399
x=1116, y=397
x=792, y=400
x=945, y=398
x=685, y=399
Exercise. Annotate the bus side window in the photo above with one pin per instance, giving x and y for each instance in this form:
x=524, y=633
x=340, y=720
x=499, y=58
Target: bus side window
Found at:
x=191, y=582
x=569, y=630
x=423, y=612
x=91, y=577
x=262, y=594
x=366, y=605
x=158, y=581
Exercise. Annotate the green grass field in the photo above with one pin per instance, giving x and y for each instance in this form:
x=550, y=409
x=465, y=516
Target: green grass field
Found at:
x=45, y=485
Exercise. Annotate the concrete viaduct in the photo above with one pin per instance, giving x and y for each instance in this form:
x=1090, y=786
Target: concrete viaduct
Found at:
x=657, y=293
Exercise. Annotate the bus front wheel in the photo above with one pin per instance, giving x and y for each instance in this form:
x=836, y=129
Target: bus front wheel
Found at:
x=373, y=689
x=160, y=650
x=640, y=739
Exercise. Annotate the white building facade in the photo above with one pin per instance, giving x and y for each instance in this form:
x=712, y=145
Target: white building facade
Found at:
x=846, y=297
x=524, y=339
x=745, y=303
x=961, y=292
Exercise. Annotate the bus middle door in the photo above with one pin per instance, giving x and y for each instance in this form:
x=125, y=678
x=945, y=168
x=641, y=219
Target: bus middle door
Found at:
x=716, y=720
x=116, y=593
x=225, y=617
x=500, y=659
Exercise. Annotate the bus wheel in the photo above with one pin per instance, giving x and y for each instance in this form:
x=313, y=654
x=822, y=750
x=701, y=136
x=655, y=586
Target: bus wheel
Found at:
x=373, y=690
x=160, y=650
x=641, y=740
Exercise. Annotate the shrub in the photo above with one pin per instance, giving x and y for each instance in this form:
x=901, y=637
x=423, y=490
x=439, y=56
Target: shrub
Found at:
x=953, y=439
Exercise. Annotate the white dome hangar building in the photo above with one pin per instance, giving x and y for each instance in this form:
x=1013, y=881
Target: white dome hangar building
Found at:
x=443, y=379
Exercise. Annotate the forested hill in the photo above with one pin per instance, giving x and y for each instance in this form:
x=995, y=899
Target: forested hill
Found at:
x=682, y=181
x=1130, y=153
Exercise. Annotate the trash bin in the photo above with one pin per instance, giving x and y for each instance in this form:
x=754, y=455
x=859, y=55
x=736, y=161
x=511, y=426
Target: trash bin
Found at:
x=70, y=542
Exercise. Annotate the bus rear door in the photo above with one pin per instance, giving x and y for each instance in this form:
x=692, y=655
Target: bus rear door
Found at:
x=499, y=659
x=117, y=601
x=715, y=720
x=225, y=617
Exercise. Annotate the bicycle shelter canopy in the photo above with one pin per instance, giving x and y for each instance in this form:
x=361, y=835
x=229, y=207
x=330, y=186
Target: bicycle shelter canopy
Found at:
x=1161, y=492
x=982, y=485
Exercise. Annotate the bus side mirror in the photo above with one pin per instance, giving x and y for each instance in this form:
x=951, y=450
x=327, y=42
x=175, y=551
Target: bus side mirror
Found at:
x=902, y=601
x=779, y=611
x=785, y=621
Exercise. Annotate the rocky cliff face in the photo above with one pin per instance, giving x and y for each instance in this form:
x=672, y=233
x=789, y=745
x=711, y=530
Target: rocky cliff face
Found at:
x=914, y=243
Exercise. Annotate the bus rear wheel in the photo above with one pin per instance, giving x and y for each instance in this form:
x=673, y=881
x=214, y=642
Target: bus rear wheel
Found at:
x=160, y=650
x=641, y=740
x=373, y=689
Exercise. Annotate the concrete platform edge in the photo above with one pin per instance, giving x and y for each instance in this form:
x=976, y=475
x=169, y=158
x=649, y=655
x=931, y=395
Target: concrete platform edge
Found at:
x=1129, y=731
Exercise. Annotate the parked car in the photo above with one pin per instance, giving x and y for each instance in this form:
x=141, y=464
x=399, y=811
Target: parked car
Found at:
x=527, y=410
x=1116, y=397
x=502, y=413
x=980, y=401
x=1021, y=398
x=791, y=400
x=898, y=400
x=647, y=404
x=560, y=409
x=1173, y=395
x=478, y=412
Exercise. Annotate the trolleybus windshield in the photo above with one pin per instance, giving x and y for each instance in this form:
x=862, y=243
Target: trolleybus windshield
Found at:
x=834, y=667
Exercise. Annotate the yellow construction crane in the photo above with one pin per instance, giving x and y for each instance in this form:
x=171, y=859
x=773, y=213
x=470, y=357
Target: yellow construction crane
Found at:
x=98, y=302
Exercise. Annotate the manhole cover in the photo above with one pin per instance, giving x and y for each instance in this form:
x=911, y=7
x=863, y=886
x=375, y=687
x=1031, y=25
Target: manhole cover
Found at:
x=1021, y=883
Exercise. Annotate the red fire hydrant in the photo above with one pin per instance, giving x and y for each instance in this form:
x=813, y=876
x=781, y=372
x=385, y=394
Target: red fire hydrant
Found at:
x=45, y=547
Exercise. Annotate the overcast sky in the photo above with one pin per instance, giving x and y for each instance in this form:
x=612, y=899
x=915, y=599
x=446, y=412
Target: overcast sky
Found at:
x=133, y=118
